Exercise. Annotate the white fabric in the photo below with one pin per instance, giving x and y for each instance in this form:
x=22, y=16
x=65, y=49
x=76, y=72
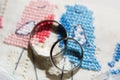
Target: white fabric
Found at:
x=107, y=26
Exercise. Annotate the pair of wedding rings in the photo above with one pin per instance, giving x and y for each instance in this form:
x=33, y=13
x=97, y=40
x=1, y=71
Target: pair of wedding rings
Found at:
x=69, y=54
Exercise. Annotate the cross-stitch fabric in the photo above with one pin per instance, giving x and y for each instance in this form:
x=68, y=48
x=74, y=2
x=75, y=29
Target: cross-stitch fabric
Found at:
x=115, y=60
x=3, y=4
x=74, y=17
x=0, y=21
x=35, y=12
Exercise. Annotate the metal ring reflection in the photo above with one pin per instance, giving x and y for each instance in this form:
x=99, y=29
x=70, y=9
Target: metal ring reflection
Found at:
x=66, y=39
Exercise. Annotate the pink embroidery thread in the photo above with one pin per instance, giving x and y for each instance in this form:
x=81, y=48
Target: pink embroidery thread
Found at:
x=42, y=32
x=0, y=21
x=36, y=11
x=3, y=4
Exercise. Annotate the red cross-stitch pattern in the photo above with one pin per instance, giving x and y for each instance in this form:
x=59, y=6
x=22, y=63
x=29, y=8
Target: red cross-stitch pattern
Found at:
x=41, y=32
x=36, y=11
x=0, y=21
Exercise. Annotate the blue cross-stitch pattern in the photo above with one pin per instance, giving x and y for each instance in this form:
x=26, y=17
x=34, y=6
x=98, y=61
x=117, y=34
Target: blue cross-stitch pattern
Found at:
x=80, y=15
x=116, y=58
x=73, y=52
x=117, y=71
x=117, y=53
